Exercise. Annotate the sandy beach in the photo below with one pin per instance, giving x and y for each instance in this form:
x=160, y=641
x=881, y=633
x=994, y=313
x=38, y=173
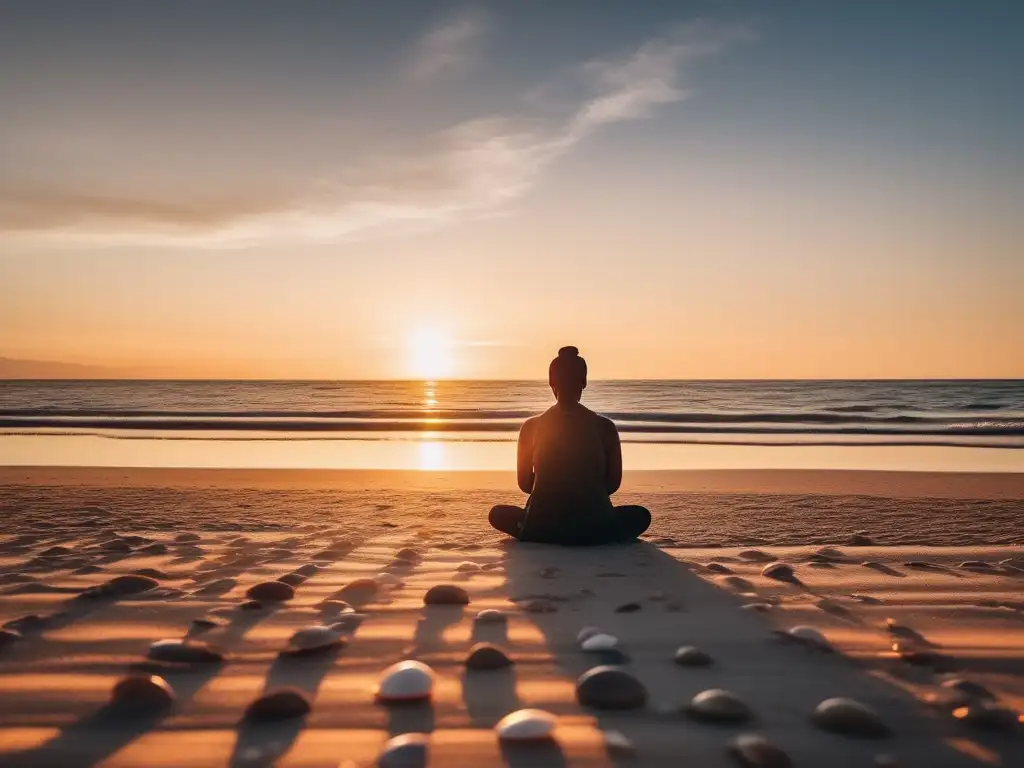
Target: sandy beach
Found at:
x=931, y=563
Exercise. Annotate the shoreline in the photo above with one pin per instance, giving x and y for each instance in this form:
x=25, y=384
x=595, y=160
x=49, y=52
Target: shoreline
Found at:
x=823, y=482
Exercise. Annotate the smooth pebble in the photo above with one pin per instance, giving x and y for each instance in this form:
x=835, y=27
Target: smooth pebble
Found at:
x=691, y=656
x=491, y=616
x=600, y=642
x=270, y=592
x=849, y=718
x=752, y=750
x=484, y=656
x=408, y=750
x=718, y=705
x=610, y=687
x=142, y=693
x=446, y=594
x=186, y=651
x=526, y=725
x=406, y=681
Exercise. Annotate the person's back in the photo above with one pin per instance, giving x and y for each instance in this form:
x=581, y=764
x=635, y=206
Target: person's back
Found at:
x=570, y=462
x=570, y=495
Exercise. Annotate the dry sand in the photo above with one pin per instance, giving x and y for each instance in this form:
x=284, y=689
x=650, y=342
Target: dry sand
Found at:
x=64, y=531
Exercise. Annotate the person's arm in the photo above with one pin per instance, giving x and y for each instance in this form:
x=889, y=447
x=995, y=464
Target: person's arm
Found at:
x=524, y=463
x=612, y=457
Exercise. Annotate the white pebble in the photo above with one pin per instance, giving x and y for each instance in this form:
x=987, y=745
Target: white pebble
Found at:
x=406, y=681
x=586, y=633
x=526, y=725
x=600, y=642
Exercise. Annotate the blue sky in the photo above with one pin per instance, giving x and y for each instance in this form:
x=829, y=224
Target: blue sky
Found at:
x=700, y=189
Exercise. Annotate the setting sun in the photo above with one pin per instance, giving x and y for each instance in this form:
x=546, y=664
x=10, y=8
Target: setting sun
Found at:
x=430, y=354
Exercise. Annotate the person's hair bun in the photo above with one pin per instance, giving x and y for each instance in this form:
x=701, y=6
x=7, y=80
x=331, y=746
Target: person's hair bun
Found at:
x=568, y=352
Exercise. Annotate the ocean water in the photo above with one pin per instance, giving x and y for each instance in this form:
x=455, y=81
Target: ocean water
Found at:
x=979, y=415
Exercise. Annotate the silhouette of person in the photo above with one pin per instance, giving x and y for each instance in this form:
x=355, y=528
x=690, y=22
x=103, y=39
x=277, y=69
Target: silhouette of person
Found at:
x=570, y=463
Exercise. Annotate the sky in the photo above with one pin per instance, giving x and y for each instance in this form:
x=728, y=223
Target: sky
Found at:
x=327, y=189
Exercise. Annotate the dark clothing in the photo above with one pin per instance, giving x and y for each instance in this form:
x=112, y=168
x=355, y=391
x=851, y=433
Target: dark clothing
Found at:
x=629, y=522
x=570, y=462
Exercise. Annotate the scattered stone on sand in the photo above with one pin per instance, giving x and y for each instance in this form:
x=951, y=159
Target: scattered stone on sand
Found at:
x=348, y=622
x=281, y=704
x=123, y=586
x=586, y=633
x=484, y=656
x=629, y=608
x=600, y=642
x=156, y=548
x=718, y=568
x=467, y=566
x=988, y=715
x=251, y=605
x=526, y=725
x=616, y=742
x=831, y=553
x=539, y=605
x=292, y=579
x=313, y=640
x=753, y=750
x=760, y=607
x=779, y=572
x=446, y=594
x=185, y=651
x=406, y=681
x=8, y=636
x=492, y=566
x=307, y=570
x=809, y=637
x=271, y=591
x=610, y=687
x=757, y=556
x=334, y=607
x=922, y=565
x=491, y=616
x=849, y=718
x=691, y=656
x=549, y=573
x=359, y=591
x=187, y=538
x=142, y=693
x=408, y=555
x=719, y=706
x=407, y=750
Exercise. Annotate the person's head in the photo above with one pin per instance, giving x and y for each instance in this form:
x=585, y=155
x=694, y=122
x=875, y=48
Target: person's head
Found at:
x=567, y=375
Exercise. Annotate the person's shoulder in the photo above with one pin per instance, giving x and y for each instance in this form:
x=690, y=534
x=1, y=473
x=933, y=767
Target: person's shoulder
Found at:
x=604, y=423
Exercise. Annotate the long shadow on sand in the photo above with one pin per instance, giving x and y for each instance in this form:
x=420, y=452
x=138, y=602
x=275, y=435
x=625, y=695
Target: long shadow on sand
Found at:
x=781, y=683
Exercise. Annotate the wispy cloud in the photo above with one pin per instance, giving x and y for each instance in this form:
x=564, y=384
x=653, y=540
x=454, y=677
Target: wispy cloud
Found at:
x=475, y=168
x=452, y=46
